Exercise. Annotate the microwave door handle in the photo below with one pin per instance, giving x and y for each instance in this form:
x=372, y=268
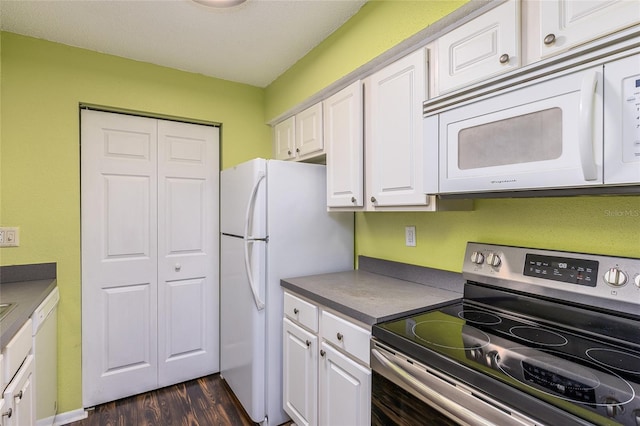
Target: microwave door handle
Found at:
x=585, y=126
x=249, y=240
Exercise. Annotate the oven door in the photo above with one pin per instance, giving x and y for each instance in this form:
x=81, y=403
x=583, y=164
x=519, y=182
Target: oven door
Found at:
x=539, y=135
x=405, y=392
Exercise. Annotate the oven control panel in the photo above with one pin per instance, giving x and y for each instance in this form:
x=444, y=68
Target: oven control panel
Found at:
x=563, y=269
x=597, y=280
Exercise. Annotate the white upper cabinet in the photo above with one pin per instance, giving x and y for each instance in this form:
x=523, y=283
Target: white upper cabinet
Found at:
x=343, y=123
x=299, y=137
x=483, y=47
x=284, y=139
x=393, y=133
x=559, y=25
x=309, y=131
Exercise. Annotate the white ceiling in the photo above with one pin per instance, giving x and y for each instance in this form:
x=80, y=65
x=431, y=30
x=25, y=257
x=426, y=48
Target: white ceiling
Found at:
x=252, y=43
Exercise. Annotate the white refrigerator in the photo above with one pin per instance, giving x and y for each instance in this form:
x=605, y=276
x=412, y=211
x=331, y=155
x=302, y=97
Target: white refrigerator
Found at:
x=274, y=224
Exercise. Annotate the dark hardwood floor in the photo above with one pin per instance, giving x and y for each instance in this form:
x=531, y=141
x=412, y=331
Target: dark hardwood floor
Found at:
x=207, y=401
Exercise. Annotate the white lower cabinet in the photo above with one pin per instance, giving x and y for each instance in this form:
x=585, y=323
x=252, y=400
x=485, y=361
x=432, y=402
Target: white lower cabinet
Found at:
x=300, y=375
x=345, y=389
x=19, y=396
x=326, y=373
x=18, y=373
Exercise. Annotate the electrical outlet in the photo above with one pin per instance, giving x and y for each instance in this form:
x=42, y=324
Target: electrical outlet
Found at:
x=9, y=236
x=410, y=236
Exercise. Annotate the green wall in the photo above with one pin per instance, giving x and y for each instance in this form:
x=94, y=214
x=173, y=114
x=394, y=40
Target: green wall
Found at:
x=42, y=86
x=608, y=225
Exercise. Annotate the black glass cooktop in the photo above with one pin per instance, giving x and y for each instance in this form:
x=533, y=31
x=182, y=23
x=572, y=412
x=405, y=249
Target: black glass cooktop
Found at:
x=584, y=362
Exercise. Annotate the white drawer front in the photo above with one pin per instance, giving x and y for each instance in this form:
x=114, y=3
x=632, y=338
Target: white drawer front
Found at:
x=301, y=311
x=17, y=350
x=346, y=335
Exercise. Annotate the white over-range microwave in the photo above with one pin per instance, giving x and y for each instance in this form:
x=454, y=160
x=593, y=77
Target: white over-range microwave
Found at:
x=575, y=128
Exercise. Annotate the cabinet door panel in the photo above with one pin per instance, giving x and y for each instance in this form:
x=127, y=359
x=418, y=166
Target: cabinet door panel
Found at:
x=300, y=374
x=284, y=138
x=394, y=144
x=343, y=122
x=573, y=22
x=345, y=390
x=309, y=131
x=474, y=51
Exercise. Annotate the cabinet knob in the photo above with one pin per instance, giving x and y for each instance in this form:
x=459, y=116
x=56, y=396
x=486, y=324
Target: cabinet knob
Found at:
x=339, y=336
x=353, y=199
x=373, y=199
x=19, y=395
x=504, y=59
x=178, y=267
x=549, y=39
x=322, y=352
x=296, y=311
x=308, y=342
x=289, y=152
x=8, y=413
x=298, y=150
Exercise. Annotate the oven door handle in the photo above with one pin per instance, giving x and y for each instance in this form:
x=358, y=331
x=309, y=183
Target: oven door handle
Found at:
x=434, y=394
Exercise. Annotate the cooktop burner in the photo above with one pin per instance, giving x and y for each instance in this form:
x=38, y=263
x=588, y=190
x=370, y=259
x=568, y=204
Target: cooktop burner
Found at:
x=479, y=317
x=436, y=333
x=538, y=335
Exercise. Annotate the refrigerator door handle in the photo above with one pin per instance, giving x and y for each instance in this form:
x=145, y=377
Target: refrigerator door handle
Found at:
x=249, y=240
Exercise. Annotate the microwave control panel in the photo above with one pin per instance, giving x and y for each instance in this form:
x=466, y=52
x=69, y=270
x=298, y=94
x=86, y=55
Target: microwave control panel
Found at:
x=631, y=119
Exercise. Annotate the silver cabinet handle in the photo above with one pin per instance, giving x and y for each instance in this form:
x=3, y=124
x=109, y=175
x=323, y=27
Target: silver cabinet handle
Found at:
x=353, y=199
x=322, y=352
x=296, y=311
x=8, y=413
x=373, y=199
x=504, y=59
x=19, y=395
x=308, y=342
x=339, y=336
x=549, y=39
x=178, y=267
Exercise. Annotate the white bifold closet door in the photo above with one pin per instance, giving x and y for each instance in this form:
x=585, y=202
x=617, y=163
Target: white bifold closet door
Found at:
x=149, y=202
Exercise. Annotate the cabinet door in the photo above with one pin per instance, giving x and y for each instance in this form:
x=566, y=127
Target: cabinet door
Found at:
x=393, y=133
x=345, y=390
x=483, y=47
x=284, y=139
x=343, y=123
x=568, y=23
x=19, y=396
x=309, y=131
x=300, y=374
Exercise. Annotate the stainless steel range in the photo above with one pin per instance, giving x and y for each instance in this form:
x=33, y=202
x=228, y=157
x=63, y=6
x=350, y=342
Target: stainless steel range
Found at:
x=541, y=337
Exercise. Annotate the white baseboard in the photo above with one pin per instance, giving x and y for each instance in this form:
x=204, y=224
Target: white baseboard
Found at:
x=70, y=416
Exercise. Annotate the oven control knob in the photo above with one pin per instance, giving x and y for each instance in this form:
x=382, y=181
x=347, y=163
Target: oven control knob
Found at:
x=492, y=358
x=477, y=257
x=476, y=353
x=493, y=259
x=613, y=407
x=615, y=277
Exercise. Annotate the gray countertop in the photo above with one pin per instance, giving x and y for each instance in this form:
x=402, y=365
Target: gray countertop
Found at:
x=371, y=297
x=26, y=288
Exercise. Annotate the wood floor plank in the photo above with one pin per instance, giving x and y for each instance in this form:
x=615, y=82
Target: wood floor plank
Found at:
x=202, y=402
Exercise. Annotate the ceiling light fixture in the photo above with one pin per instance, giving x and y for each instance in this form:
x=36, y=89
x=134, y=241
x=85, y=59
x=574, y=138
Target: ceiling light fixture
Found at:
x=220, y=4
